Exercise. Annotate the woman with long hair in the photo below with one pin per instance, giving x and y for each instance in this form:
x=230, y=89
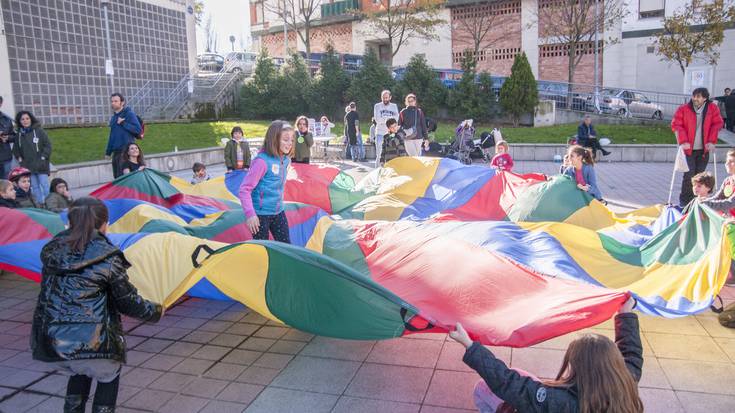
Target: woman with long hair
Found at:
x=33, y=151
x=582, y=171
x=132, y=159
x=597, y=375
x=413, y=123
x=304, y=141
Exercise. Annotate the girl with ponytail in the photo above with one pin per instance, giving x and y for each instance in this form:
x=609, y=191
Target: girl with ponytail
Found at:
x=84, y=291
x=582, y=170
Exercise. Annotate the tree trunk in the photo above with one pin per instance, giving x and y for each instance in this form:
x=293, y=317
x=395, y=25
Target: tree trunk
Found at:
x=570, y=74
x=307, y=41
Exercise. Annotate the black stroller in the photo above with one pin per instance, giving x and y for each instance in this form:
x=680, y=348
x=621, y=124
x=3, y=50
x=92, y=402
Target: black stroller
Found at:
x=464, y=143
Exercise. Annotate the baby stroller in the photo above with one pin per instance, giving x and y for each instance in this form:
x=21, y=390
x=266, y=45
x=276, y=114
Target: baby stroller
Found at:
x=486, y=145
x=463, y=145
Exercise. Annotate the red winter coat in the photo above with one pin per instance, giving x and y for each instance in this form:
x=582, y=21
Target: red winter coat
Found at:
x=685, y=123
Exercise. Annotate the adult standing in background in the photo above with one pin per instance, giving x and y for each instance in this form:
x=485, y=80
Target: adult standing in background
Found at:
x=412, y=122
x=352, y=127
x=696, y=125
x=382, y=111
x=124, y=128
x=727, y=108
x=32, y=149
x=7, y=136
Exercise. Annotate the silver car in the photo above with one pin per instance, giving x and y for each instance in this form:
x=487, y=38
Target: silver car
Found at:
x=240, y=62
x=624, y=102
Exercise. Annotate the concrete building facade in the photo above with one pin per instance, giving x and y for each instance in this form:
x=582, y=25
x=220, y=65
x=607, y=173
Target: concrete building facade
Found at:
x=53, y=53
x=514, y=27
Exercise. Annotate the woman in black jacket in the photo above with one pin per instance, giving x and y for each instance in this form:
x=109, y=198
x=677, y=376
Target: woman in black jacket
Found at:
x=84, y=291
x=413, y=123
x=33, y=150
x=595, y=376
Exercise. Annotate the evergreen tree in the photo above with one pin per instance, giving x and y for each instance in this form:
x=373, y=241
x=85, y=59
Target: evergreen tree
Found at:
x=519, y=93
x=463, y=100
x=421, y=80
x=367, y=84
x=330, y=86
x=294, y=88
x=258, y=96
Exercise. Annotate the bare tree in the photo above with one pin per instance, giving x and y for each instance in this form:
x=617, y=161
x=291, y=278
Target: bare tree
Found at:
x=399, y=20
x=198, y=12
x=210, y=34
x=474, y=24
x=299, y=15
x=573, y=23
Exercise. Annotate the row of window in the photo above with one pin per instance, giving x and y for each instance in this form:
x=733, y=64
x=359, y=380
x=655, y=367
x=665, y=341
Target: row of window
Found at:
x=486, y=10
x=507, y=53
x=559, y=50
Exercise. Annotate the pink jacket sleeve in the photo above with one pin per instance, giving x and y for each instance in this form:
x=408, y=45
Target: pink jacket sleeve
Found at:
x=256, y=171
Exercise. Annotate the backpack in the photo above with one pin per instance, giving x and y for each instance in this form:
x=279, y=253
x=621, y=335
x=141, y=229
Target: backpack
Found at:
x=726, y=315
x=142, y=128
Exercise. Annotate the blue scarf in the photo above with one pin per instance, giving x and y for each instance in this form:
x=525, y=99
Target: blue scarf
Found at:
x=26, y=130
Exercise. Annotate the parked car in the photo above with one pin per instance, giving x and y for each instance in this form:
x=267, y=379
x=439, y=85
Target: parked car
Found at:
x=210, y=62
x=624, y=102
x=559, y=92
x=240, y=62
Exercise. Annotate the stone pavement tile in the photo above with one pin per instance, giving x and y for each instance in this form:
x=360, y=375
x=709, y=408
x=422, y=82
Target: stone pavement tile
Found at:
x=136, y=358
x=225, y=371
x=126, y=392
x=713, y=377
x=452, y=389
x=706, y=403
x=437, y=409
x=148, y=330
x=6, y=353
x=204, y=387
x=660, y=401
x=163, y=362
x=210, y=352
x=338, y=349
x=254, y=318
x=228, y=340
x=189, y=322
x=173, y=333
x=50, y=405
x=140, y=377
x=272, y=361
x=20, y=343
x=229, y=315
x=240, y=392
x=181, y=349
x=653, y=375
x=172, y=382
x=243, y=329
x=287, y=401
x=357, y=405
x=257, y=344
x=25, y=361
x=681, y=325
x=184, y=404
x=18, y=378
x=132, y=341
x=317, y=375
x=214, y=326
x=219, y=406
x=287, y=347
x=402, y=352
x=272, y=332
x=242, y=356
x=149, y=399
x=201, y=337
x=153, y=345
x=53, y=384
x=427, y=336
x=22, y=402
x=258, y=375
x=451, y=355
x=297, y=335
x=393, y=383
x=713, y=327
x=681, y=346
x=543, y=363
x=193, y=366
x=169, y=321
x=728, y=346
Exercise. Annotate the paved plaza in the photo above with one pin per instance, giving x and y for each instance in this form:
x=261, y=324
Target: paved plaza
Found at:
x=213, y=356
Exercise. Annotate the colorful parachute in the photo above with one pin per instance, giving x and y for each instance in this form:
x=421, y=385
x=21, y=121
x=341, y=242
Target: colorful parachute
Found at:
x=415, y=246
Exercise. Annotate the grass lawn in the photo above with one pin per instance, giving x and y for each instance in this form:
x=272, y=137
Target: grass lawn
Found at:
x=71, y=145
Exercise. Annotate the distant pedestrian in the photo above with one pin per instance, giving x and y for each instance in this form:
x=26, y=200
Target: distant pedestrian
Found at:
x=7, y=137
x=324, y=127
x=352, y=129
x=132, y=159
x=32, y=149
x=587, y=137
x=59, y=197
x=412, y=122
x=382, y=111
x=726, y=103
x=199, y=173
x=124, y=129
x=304, y=141
x=393, y=144
x=696, y=125
x=237, y=151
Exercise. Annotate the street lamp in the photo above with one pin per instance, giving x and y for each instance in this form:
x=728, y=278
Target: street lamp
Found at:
x=109, y=70
x=285, y=30
x=597, y=44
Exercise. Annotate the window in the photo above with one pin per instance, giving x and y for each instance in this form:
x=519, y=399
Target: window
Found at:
x=651, y=8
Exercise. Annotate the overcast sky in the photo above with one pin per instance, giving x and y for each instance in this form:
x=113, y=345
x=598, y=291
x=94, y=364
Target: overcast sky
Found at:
x=229, y=17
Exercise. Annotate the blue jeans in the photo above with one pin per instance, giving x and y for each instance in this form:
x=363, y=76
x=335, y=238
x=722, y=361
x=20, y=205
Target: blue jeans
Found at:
x=354, y=152
x=5, y=169
x=360, y=148
x=39, y=187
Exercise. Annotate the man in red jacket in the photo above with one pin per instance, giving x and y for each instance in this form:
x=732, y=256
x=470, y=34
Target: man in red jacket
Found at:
x=696, y=125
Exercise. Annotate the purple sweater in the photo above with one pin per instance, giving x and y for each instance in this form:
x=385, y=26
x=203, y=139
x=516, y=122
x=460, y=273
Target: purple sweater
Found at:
x=255, y=173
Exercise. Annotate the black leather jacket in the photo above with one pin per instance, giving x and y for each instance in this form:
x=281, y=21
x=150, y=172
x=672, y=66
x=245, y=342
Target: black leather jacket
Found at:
x=527, y=395
x=82, y=297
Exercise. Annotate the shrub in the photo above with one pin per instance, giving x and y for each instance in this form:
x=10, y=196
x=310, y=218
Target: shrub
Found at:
x=519, y=93
x=330, y=86
x=421, y=80
x=367, y=84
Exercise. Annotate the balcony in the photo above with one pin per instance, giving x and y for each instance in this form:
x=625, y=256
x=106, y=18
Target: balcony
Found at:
x=339, y=8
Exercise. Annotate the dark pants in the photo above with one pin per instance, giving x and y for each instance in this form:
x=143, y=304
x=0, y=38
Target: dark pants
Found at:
x=5, y=168
x=697, y=162
x=730, y=122
x=305, y=160
x=593, y=144
x=116, y=164
x=105, y=395
x=276, y=224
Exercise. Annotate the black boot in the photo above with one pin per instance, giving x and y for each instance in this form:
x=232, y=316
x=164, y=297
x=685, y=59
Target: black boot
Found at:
x=605, y=153
x=74, y=403
x=103, y=409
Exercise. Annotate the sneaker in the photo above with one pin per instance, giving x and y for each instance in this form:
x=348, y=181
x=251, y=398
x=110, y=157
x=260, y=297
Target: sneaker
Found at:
x=605, y=153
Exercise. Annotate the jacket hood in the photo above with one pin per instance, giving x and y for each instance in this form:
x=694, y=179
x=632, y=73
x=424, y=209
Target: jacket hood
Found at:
x=58, y=257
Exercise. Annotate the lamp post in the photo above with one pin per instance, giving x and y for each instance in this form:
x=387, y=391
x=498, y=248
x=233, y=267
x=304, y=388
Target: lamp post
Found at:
x=232, y=41
x=285, y=30
x=109, y=69
x=597, y=52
